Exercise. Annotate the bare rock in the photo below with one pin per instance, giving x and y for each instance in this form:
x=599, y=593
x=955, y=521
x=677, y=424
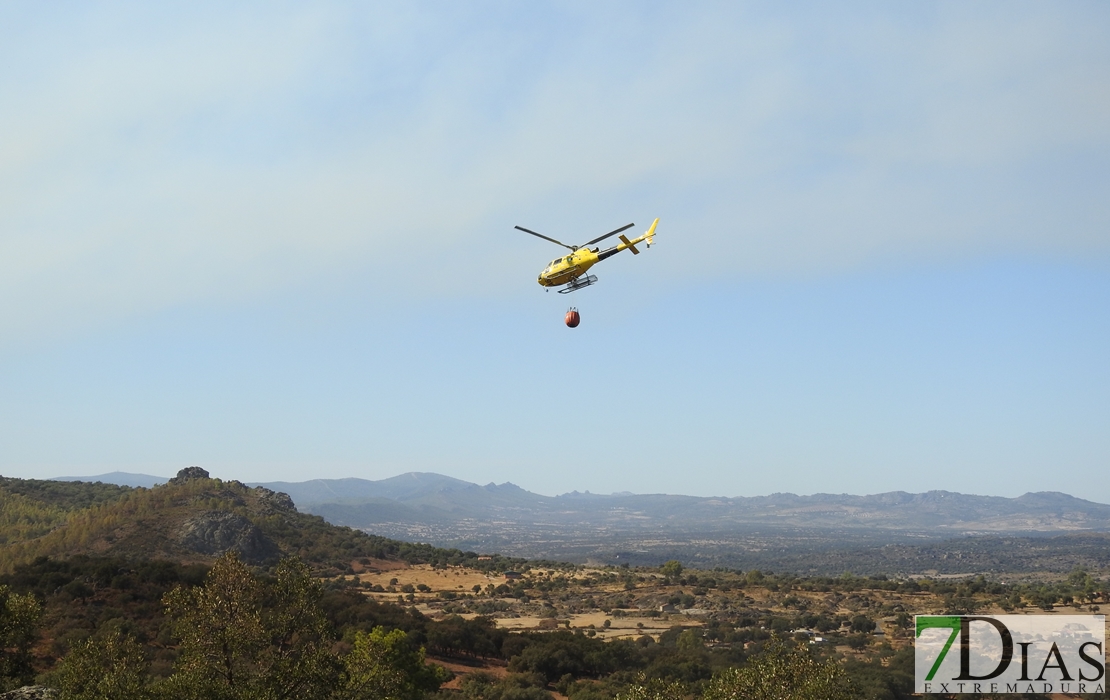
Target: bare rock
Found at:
x=217, y=532
x=274, y=500
x=30, y=692
x=188, y=474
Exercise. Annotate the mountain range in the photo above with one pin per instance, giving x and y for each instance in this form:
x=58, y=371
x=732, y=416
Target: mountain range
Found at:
x=892, y=532
x=119, y=479
x=423, y=499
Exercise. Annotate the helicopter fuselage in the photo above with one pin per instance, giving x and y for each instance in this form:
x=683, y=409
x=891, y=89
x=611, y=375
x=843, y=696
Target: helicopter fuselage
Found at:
x=566, y=269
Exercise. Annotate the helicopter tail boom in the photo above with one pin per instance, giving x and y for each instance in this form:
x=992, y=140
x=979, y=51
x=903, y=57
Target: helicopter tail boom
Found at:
x=648, y=236
x=630, y=245
x=625, y=244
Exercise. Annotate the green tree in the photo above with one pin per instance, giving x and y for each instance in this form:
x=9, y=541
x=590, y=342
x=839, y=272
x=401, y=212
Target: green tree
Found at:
x=383, y=666
x=654, y=689
x=19, y=614
x=108, y=666
x=862, y=624
x=782, y=672
x=242, y=639
x=515, y=686
x=671, y=569
x=690, y=640
x=219, y=626
x=297, y=661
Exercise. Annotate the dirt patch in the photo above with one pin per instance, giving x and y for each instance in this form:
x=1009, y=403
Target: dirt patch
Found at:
x=493, y=667
x=619, y=627
x=376, y=565
x=490, y=666
x=458, y=580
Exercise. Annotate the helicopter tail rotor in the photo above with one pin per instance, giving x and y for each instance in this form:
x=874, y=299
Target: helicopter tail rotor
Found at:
x=649, y=237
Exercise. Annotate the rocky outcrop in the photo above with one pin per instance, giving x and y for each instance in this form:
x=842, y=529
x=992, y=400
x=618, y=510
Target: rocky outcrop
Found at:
x=217, y=532
x=30, y=692
x=189, y=474
x=274, y=500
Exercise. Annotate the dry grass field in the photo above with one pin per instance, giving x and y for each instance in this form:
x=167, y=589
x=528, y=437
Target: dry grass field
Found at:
x=454, y=579
x=612, y=604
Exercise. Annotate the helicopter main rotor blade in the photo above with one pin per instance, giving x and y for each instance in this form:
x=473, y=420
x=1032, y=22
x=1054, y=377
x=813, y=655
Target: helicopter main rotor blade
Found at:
x=568, y=247
x=611, y=233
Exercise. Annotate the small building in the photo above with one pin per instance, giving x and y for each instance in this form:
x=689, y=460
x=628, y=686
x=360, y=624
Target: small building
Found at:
x=513, y=575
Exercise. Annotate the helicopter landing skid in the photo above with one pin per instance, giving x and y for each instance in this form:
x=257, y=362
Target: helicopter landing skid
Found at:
x=578, y=283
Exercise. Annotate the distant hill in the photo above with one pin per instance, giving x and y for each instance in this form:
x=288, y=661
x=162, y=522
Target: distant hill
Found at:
x=193, y=518
x=190, y=519
x=424, y=498
x=118, y=478
x=897, y=532
x=412, y=486
x=420, y=499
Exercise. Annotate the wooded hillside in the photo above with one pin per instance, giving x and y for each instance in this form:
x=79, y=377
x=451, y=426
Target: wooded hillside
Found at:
x=191, y=519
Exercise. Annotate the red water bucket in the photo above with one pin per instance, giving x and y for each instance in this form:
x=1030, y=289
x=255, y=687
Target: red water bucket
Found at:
x=573, y=319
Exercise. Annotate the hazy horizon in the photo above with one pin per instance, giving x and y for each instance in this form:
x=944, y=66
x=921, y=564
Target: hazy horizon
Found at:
x=564, y=493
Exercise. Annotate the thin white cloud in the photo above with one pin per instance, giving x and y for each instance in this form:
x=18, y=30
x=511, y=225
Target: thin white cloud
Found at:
x=156, y=158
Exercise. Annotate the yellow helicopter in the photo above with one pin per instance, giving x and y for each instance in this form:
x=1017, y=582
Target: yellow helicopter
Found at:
x=571, y=270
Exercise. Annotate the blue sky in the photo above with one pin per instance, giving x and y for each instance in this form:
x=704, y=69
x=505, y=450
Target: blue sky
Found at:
x=276, y=241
